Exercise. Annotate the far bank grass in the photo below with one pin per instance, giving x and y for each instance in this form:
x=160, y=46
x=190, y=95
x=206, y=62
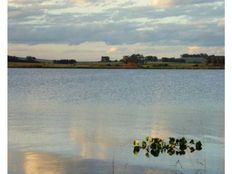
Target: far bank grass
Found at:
x=116, y=65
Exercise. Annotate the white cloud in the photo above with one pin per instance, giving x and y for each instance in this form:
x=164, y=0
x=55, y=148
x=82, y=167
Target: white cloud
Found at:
x=163, y=3
x=112, y=50
x=94, y=50
x=221, y=22
x=78, y=1
x=195, y=49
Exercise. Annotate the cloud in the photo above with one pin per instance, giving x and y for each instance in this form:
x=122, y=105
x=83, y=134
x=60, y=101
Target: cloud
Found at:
x=78, y=1
x=221, y=22
x=112, y=50
x=172, y=3
x=187, y=23
x=163, y=3
x=122, y=32
x=94, y=50
x=194, y=49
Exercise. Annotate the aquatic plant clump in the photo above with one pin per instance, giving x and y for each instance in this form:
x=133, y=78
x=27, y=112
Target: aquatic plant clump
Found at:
x=155, y=146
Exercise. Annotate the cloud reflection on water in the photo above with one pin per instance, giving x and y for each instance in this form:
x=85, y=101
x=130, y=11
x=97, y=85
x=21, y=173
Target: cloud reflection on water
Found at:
x=42, y=163
x=48, y=163
x=95, y=147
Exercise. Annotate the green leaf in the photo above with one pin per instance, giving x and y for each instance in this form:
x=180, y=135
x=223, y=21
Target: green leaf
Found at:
x=155, y=153
x=182, y=152
x=198, y=145
x=171, y=140
x=183, y=147
x=156, y=140
x=144, y=144
x=171, y=152
x=192, y=149
x=155, y=146
x=192, y=141
x=136, y=143
x=183, y=140
x=136, y=150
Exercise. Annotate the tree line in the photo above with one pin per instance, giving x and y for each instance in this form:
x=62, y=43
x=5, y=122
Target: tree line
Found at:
x=28, y=59
x=65, y=61
x=135, y=58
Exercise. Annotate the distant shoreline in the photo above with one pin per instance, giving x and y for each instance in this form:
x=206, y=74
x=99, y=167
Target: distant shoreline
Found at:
x=115, y=65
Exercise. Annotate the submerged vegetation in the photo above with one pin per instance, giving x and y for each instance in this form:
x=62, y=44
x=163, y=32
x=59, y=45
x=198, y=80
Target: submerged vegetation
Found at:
x=157, y=146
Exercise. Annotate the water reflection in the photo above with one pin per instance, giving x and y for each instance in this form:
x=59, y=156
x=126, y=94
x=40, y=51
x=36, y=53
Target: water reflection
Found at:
x=159, y=129
x=104, y=111
x=48, y=163
x=95, y=146
x=42, y=163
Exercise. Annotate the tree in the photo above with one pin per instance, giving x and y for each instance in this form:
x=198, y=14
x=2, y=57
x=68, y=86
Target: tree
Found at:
x=151, y=59
x=134, y=58
x=65, y=61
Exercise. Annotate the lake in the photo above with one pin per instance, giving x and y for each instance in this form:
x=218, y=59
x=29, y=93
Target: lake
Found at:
x=66, y=121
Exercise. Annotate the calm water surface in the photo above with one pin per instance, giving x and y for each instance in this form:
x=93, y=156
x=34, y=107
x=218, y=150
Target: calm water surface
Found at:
x=65, y=121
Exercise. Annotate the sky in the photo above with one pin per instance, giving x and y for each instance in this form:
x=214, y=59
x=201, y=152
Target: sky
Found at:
x=88, y=29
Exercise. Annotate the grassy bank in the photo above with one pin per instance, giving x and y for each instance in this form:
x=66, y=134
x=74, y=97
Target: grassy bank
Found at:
x=116, y=65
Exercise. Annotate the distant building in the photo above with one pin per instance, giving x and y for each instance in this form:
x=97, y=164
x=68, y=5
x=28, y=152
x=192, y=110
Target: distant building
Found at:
x=105, y=59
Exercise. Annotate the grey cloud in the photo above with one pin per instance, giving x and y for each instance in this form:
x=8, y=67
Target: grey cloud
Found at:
x=18, y=15
x=120, y=33
x=150, y=12
x=118, y=26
